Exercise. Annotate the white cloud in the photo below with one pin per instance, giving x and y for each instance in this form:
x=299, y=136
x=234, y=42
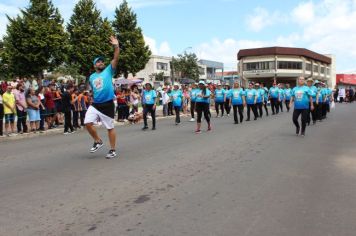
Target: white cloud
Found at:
x=225, y=51
x=163, y=49
x=261, y=18
x=303, y=13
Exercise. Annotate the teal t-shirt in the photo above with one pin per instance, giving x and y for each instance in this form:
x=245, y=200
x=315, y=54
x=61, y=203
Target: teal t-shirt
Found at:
x=219, y=95
x=288, y=94
x=250, y=96
x=102, y=85
x=237, y=95
x=177, y=96
x=274, y=92
x=301, y=95
x=149, y=97
x=203, y=100
x=193, y=95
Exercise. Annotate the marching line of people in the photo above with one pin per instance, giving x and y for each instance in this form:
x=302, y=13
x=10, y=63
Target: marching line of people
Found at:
x=311, y=101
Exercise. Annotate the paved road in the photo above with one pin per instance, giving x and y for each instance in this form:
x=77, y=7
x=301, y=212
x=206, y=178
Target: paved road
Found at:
x=253, y=179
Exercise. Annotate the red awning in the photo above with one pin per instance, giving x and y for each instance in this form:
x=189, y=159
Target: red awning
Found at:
x=346, y=79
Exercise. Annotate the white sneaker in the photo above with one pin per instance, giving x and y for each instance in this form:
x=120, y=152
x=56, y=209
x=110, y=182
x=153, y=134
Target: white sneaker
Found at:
x=192, y=120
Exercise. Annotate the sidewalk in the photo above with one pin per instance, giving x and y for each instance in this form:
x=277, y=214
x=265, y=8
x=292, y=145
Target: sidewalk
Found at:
x=60, y=130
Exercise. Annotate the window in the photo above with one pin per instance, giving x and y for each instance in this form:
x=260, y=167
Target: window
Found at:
x=322, y=69
x=201, y=70
x=327, y=71
x=316, y=68
x=264, y=65
x=162, y=66
x=290, y=65
x=308, y=67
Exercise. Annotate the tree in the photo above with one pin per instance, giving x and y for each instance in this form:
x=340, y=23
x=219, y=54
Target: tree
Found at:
x=35, y=40
x=88, y=36
x=186, y=65
x=134, y=54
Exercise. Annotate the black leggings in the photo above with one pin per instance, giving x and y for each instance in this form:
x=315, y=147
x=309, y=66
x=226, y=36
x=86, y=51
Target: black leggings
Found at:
x=266, y=109
x=296, y=114
x=281, y=105
x=259, y=107
x=221, y=105
x=202, y=107
x=227, y=106
x=240, y=108
x=275, y=105
x=177, y=110
x=254, y=110
x=312, y=113
x=68, y=121
x=149, y=109
x=287, y=105
x=170, y=108
x=192, y=109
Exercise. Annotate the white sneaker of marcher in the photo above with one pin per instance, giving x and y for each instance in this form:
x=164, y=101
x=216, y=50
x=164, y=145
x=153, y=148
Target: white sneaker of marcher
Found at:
x=192, y=120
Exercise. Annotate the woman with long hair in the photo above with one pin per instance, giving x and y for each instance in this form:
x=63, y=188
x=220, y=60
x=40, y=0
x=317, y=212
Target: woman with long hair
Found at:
x=203, y=106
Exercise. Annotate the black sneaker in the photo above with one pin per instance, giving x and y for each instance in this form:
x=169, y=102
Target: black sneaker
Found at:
x=111, y=154
x=96, y=146
x=144, y=128
x=297, y=131
x=153, y=128
x=302, y=134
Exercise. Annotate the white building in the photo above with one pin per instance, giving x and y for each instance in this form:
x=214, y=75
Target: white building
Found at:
x=285, y=65
x=162, y=64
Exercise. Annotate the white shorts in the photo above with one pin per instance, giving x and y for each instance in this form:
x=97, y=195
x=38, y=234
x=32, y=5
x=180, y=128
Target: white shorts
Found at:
x=94, y=116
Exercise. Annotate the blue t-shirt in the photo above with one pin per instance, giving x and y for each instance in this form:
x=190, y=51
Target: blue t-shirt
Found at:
x=149, y=97
x=250, y=96
x=301, y=95
x=219, y=95
x=237, y=95
x=314, y=92
x=260, y=94
x=328, y=93
x=321, y=94
x=281, y=94
x=193, y=94
x=266, y=94
x=288, y=94
x=228, y=94
x=203, y=100
x=274, y=92
x=102, y=85
x=177, y=96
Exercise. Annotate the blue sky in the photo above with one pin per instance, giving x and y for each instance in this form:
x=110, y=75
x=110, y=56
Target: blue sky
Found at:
x=217, y=29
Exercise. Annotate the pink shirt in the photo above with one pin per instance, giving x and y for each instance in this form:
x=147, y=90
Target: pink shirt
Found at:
x=20, y=100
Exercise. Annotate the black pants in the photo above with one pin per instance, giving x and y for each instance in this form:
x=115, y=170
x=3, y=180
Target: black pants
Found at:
x=341, y=100
x=121, y=111
x=149, y=109
x=287, y=105
x=82, y=117
x=43, y=116
x=275, y=105
x=280, y=103
x=68, y=121
x=21, y=121
x=259, y=108
x=221, y=106
x=323, y=111
x=239, y=108
x=296, y=114
x=1, y=119
x=192, y=109
x=266, y=108
x=170, y=109
x=177, y=110
x=227, y=106
x=202, y=107
x=319, y=111
x=312, y=114
x=75, y=119
x=254, y=110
